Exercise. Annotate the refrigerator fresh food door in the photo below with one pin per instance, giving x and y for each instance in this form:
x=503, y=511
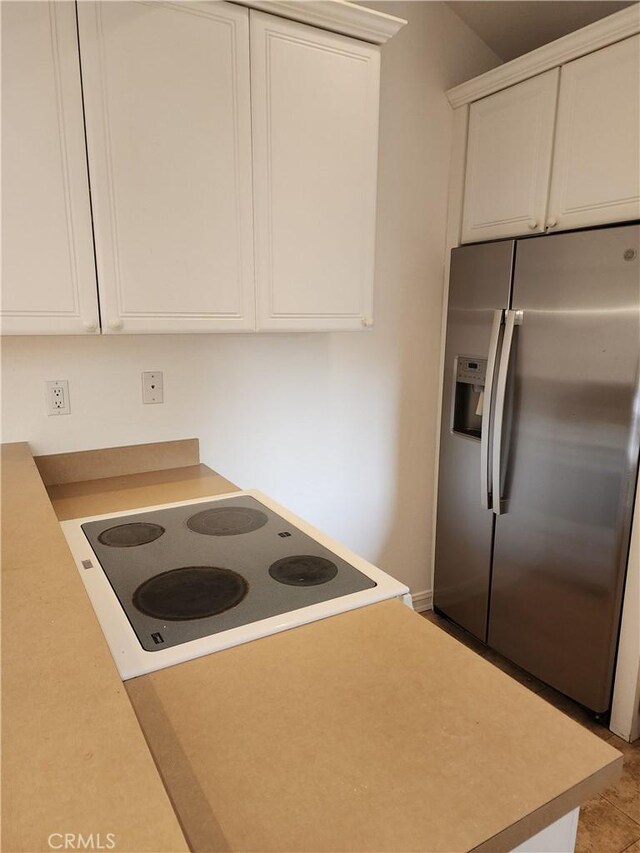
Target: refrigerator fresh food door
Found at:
x=480, y=281
x=569, y=459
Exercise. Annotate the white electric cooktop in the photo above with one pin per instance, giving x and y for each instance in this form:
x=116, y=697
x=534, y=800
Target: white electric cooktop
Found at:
x=174, y=582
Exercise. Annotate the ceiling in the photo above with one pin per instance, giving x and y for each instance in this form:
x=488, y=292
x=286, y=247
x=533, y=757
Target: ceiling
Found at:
x=514, y=27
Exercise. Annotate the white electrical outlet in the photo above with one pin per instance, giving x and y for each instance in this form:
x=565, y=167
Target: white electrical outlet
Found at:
x=58, y=397
x=152, y=387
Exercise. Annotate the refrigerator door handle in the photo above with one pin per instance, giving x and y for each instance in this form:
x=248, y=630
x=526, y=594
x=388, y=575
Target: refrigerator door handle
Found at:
x=485, y=436
x=514, y=318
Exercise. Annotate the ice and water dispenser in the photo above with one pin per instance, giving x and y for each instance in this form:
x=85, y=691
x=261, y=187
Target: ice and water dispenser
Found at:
x=468, y=397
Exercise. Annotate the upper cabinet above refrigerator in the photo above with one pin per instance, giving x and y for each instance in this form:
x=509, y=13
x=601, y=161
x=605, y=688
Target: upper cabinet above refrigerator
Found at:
x=596, y=166
x=509, y=160
x=539, y=158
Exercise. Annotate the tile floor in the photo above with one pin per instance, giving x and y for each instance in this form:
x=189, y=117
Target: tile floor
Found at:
x=610, y=823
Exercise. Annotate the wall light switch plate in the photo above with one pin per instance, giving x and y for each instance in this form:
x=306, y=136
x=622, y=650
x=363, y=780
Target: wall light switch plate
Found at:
x=58, y=397
x=152, y=387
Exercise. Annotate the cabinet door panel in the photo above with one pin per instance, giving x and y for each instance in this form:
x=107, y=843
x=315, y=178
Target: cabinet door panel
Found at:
x=315, y=133
x=509, y=160
x=48, y=275
x=168, y=123
x=596, y=170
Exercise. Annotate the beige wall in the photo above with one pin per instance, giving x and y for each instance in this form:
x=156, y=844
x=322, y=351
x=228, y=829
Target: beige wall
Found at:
x=339, y=427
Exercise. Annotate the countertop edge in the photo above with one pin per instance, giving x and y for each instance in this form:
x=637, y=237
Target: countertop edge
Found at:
x=517, y=833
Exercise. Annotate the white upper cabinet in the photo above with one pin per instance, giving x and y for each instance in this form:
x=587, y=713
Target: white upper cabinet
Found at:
x=187, y=125
x=48, y=276
x=509, y=160
x=523, y=175
x=167, y=103
x=596, y=170
x=315, y=140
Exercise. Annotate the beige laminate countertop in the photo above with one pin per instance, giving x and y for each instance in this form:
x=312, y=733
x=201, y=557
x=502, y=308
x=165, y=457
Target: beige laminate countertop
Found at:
x=368, y=731
x=74, y=759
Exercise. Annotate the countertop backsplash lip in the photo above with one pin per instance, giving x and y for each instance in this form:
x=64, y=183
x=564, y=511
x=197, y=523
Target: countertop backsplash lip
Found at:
x=75, y=467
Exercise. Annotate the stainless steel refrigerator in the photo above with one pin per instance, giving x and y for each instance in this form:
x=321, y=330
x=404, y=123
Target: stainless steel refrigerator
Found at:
x=539, y=451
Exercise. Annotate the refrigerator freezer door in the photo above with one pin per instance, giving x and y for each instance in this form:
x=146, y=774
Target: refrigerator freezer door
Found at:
x=479, y=286
x=570, y=460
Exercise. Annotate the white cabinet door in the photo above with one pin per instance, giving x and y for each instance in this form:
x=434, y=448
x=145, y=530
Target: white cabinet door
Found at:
x=596, y=170
x=48, y=276
x=315, y=139
x=167, y=103
x=509, y=160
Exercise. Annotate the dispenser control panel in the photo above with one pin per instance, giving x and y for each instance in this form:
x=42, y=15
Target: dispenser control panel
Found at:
x=471, y=370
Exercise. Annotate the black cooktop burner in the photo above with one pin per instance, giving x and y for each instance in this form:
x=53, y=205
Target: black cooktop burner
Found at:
x=227, y=521
x=174, y=590
x=304, y=570
x=192, y=592
x=130, y=535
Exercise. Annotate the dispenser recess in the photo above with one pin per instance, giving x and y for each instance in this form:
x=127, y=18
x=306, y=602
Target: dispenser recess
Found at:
x=468, y=397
